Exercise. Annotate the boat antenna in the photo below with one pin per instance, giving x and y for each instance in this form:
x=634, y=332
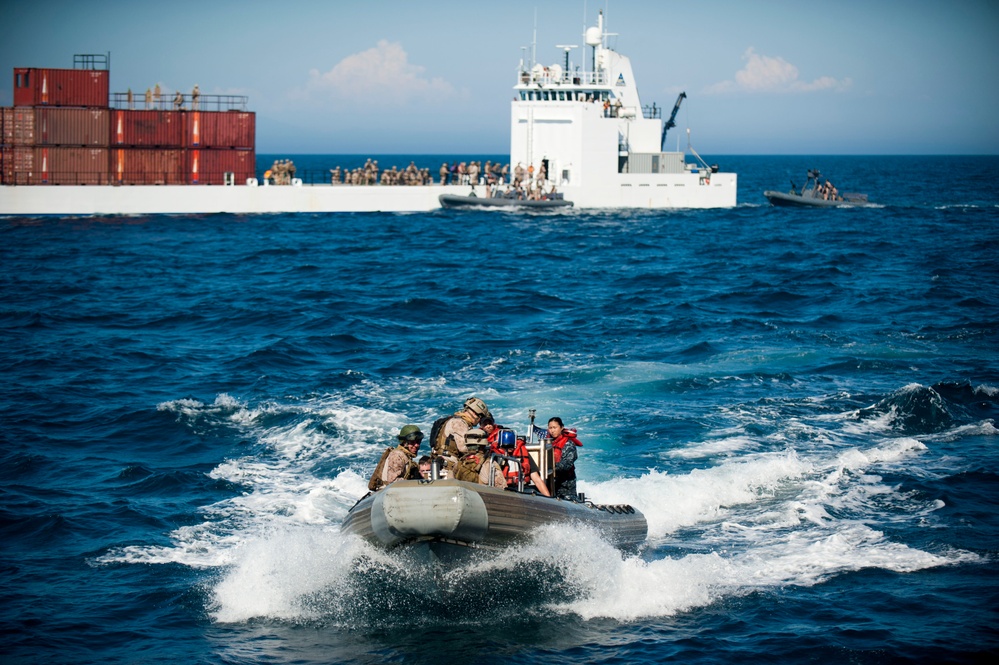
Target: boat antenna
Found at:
x=534, y=40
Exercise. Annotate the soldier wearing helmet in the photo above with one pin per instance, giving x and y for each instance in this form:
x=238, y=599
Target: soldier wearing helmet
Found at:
x=399, y=463
x=450, y=435
x=477, y=464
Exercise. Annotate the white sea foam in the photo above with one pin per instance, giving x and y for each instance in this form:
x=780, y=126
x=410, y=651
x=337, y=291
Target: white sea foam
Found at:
x=752, y=520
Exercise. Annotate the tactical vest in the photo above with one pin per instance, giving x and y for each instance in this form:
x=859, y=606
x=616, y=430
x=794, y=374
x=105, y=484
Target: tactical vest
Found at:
x=438, y=443
x=411, y=472
x=468, y=468
x=375, y=482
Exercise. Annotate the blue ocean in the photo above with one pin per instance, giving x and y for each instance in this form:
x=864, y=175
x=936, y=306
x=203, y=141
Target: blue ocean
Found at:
x=804, y=404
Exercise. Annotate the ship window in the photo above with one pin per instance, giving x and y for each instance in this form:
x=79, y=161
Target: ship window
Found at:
x=561, y=95
x=523, y=95
x=545, y=93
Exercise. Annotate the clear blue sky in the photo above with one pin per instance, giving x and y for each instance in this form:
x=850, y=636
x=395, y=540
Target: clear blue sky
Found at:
x=379, y=76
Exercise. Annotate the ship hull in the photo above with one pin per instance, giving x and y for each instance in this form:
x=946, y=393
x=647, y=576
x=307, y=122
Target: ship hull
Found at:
x=646, y=191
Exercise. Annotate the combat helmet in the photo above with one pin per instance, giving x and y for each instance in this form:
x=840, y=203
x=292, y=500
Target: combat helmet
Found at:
x=410, y=433
x=476, y=406
x=476, y=439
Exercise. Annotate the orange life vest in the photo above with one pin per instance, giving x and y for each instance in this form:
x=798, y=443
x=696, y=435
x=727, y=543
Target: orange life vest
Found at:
x=565, y=437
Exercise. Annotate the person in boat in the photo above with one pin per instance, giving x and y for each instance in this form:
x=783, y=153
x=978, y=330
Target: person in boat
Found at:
x=492, y=430
x=444, y=173
x=564, y=443
x=447, y=436
x=398, y=463
x=513, y=446
x=477, y=465
x=424, y=465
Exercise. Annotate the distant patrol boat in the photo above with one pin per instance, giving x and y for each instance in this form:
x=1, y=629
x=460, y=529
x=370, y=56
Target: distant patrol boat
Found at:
x=812, y=195
x=582, y=131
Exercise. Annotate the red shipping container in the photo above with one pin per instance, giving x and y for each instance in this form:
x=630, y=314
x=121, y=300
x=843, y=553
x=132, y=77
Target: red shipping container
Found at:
x=208, y=167
x=72, y=166
x=150, y=129
x=221, y=129
x=6, y=165
x=22, y=126
x=56, y=166
x=147, y=166
x=72, y=126
x=60, y=87
x=6, y=126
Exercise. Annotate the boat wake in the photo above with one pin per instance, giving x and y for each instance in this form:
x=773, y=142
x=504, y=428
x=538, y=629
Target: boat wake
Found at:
x=735, y=520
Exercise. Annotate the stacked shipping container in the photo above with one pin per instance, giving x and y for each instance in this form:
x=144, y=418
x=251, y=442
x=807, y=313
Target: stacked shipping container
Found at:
x=62, y=131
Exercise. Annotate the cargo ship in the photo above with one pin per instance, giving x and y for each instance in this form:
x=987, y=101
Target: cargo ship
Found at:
x=70, y=147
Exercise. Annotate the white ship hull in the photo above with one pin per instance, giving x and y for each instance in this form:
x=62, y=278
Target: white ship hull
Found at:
x=651, y=191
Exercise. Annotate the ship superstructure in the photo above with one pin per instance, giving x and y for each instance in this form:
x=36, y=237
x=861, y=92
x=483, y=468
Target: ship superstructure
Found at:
x=586, y=129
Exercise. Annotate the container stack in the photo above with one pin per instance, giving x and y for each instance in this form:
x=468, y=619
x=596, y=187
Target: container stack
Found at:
x=57, y=131
x=65, y=129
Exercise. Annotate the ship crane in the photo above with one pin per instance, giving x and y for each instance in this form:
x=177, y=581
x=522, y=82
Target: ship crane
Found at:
x=672, y=119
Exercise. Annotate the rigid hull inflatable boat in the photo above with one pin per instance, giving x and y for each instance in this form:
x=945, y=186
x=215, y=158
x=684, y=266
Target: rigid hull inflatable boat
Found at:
x=451, y=517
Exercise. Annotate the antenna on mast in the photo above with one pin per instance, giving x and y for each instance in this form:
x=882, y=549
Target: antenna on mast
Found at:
x=566, y=48
x=534, y=41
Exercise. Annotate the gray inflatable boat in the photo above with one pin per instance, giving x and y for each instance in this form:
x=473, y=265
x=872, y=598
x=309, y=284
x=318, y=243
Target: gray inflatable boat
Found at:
x=452, y=517
x=815, y=195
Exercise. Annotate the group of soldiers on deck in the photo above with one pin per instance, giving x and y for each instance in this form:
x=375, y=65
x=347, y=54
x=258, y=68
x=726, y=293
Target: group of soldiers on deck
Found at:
x=281, y=172
x=369, y=174
x=458, y=173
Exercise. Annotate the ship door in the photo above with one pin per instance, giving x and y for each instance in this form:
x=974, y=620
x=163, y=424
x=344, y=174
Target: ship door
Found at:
x=544, y=168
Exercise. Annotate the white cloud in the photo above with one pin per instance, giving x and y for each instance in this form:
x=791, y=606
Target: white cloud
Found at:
x=764, y=73
x=382, y=73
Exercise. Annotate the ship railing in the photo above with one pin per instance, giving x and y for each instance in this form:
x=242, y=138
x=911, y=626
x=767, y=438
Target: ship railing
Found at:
x=35, y=177
x=165, y=177
x=92, y=61
x=566, y=78
x=324, y=177
x=183, y=102
x=652, y=112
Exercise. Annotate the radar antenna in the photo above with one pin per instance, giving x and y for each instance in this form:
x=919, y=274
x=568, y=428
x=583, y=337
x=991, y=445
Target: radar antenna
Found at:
x=566, y=48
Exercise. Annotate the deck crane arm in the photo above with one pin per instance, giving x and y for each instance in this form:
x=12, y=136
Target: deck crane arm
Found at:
x=671, y=123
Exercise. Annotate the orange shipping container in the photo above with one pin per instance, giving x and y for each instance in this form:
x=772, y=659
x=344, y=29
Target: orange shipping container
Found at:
x=221, y=129
x=147, y=166
x=22, y=126
x=32, y=165
x=148, y=129
x=60, y=87
x=208, y=167
x=72, y=126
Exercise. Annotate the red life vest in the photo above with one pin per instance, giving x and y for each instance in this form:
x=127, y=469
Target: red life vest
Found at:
x=520, y=453
x=558, y=444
